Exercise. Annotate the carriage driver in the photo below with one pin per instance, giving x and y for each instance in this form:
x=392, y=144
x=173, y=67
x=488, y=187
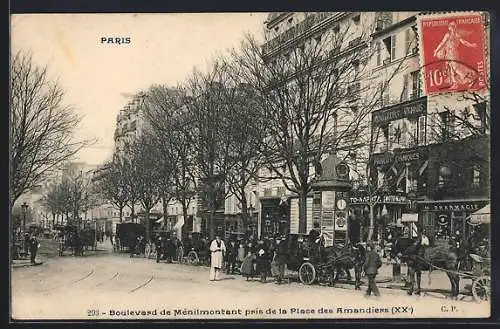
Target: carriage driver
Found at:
x=316, y=240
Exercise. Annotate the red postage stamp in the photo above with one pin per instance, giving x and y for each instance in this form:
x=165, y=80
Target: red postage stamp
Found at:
x=453, y=53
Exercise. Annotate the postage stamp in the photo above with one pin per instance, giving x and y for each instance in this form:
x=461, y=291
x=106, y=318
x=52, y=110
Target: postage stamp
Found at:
x=249, y=166
x=453, y=53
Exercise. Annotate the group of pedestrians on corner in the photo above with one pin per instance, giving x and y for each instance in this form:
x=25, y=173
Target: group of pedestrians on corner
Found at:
x=260, y=257
x=252, y=257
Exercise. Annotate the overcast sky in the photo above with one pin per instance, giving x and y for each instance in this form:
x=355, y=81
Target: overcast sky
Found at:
x=164, y=49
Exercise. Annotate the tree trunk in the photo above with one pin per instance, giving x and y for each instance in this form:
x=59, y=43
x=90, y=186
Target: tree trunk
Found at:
x=372, y=222
x=121, y=213
x=211, y=225
x=148, y=226
x=303, y=211
x=244, y=210
x=53, y=219
x=132, y=211
x=164, y=203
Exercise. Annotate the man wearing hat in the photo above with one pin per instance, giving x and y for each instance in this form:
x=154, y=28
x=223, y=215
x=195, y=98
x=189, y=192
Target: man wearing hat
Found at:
x=217, y=250
x=370, y=267
x=281, y=257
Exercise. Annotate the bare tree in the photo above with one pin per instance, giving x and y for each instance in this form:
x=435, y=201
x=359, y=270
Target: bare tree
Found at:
x=52, y=201
x=148, y=179
x=42, y=127
x=247, y=130
x=208, y=100
x=317, y=97
x=161, y=113
x=112, y=185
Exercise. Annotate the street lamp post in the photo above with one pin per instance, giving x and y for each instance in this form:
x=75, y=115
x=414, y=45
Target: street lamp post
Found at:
x=24, y=208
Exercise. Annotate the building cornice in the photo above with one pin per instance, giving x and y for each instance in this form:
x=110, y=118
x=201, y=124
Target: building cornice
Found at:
x=277, y=19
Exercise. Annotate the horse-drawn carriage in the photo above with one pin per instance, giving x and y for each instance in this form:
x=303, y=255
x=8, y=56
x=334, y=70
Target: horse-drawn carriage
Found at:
x=325, y=265
x=163, y=246
x=69, y=237
x=127, y=234
x=460, y=258
x=193, y=250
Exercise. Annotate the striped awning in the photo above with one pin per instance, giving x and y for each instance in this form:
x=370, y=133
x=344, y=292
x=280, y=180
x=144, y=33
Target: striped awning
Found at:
x=481, y=216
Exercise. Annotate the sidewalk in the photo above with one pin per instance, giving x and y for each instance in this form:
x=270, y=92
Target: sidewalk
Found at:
x=49, y=249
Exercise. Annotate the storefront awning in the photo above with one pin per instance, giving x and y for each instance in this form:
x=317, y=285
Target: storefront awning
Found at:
x=481, y=216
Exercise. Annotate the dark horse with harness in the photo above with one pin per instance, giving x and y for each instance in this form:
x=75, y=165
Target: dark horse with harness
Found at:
x=413, y=253
x=343, y=258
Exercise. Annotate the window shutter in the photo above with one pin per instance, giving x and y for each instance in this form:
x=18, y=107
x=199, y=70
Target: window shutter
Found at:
x=393, y=47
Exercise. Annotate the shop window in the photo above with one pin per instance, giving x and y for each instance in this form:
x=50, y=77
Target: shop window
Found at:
x=443, y=227
x=476, y=176
x=444, y=175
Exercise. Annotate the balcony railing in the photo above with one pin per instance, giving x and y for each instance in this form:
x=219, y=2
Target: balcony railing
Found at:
x=296, y=30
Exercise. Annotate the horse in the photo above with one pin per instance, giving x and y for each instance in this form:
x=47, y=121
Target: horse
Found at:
x=413, y=253
x=343, y=260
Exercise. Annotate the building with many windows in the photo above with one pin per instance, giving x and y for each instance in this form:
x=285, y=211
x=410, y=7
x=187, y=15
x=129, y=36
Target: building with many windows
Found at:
x=415, y=169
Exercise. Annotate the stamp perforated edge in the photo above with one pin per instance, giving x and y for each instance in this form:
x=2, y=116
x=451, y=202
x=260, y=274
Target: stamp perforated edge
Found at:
x=448, y=14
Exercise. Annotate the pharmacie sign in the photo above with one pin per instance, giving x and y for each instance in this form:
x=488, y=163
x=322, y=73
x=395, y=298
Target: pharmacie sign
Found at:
x=414, y=108
x=379, y=199
x=459, y=206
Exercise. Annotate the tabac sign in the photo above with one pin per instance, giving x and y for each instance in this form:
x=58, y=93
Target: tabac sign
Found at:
x=414, y=108
x=399, y=199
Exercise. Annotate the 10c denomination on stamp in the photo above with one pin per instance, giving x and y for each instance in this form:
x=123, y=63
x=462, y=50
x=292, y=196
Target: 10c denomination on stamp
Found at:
x=453, y=53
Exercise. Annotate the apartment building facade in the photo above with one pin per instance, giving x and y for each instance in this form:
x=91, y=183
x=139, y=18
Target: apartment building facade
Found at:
x=405, y=143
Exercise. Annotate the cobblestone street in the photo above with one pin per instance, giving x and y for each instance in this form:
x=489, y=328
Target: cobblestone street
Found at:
x=95, y=286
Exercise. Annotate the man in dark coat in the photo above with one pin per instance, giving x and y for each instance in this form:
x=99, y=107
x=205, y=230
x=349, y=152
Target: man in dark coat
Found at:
x=159, y=248
x=231, y=255
x=370, y=267
x=262, y=260
x=33, y=244
x=281, y=257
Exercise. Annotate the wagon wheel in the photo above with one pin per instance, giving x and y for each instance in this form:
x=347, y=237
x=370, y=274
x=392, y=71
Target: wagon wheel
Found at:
x=481, y=288
x=307, y=273
x=192, y=258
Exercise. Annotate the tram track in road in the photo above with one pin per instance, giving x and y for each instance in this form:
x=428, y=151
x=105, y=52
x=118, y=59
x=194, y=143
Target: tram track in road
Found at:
x=142, y=285
x=108, y=280
x=86, y=276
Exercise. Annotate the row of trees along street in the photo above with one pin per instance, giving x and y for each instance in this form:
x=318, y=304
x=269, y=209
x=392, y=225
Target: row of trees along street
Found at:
x=256, y=114
x=41, y=132
x=251, y=117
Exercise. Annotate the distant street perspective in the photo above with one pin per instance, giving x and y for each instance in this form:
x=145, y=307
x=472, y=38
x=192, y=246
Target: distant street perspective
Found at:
x=104, y=281
x=250, y=166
